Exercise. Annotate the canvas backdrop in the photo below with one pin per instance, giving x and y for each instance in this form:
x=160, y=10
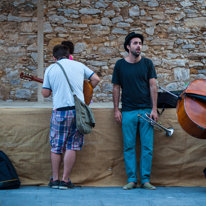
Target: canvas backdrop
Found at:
x=178, y=160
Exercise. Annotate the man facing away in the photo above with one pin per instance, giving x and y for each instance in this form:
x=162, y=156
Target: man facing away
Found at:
x=135, y=75
x=64, y=135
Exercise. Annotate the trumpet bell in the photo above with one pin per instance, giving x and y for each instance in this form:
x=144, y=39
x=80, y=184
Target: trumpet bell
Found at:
x=169, y=132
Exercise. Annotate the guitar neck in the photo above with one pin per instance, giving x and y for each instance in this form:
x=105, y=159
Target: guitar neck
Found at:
x=36, y=79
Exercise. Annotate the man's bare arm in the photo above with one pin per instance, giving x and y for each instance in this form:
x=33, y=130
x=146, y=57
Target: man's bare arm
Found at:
x=153, y=93
x=46, y=92
x=94, y=80
x=116, y=95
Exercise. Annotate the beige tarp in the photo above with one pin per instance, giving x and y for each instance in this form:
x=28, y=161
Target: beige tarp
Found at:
x=178, y=160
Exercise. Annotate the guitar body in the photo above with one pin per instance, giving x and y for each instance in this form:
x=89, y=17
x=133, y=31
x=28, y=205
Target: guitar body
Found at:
x=87, y=87
x=88, y=92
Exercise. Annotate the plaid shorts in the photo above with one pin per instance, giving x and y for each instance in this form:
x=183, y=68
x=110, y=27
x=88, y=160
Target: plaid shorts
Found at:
x=64, y=134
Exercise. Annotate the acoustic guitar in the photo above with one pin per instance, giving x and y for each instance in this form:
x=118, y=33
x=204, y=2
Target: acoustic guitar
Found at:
x=87, y=87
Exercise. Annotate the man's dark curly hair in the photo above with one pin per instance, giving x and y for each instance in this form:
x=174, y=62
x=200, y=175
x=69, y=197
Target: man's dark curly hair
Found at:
x=70, y=45
x=60, y=51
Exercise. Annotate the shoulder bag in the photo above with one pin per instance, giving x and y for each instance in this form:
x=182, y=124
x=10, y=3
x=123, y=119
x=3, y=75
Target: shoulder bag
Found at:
x=84, y=115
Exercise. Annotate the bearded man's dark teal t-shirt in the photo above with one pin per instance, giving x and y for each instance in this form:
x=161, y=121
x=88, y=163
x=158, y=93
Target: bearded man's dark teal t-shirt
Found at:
x=134, y=81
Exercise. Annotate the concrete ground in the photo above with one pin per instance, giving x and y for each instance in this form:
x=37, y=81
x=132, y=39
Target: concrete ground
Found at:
x=103, y=196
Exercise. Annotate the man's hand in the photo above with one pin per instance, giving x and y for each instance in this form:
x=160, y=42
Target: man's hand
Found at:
x=154, y=115
x=118, y=116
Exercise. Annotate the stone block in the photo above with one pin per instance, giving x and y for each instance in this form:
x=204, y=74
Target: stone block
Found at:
x=134, y=11
x=54, y=42
x=119, y=31
x=195, y=22
x=89, y=11
x=23, y=94
x=99, y=29
x=109, y=13
x=79, y=47
x=181, y=74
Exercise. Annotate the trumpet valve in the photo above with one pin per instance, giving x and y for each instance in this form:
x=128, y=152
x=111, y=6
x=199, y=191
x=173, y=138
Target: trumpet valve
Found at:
x=159, y=122
x=152, y=123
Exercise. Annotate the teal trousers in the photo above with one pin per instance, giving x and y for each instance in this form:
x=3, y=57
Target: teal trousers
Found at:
x=131, y=122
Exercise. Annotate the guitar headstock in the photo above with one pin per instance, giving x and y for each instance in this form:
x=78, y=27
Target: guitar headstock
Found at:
x=26, y=76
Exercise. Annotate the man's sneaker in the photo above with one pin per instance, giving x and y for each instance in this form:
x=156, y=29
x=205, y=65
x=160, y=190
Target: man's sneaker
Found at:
x=54, y=184
x=129, y=186
x=148, y=186
x=66, y=185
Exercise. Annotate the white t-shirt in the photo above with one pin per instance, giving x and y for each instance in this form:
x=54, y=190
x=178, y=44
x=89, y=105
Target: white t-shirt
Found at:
x=55, y=80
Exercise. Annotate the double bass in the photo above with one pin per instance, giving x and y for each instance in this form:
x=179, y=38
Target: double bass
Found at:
x=191, y=108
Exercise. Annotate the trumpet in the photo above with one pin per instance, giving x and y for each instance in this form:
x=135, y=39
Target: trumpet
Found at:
x=168, y=131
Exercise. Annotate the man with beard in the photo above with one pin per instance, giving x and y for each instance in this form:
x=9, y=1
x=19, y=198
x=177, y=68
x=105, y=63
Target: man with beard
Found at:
x=135, y=75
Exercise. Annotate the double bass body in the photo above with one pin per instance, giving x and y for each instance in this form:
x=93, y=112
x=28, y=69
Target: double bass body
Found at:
x=191, y=109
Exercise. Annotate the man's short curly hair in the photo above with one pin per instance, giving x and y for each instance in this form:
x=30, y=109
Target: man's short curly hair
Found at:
x=70, y=45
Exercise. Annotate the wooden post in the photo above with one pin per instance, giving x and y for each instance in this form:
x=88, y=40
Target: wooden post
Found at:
x=40, y=43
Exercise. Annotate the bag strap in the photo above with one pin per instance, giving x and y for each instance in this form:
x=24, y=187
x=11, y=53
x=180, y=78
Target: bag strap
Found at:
x=163, y=109
x=66, y=78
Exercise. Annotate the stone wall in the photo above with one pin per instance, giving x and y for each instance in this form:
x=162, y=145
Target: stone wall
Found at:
x=174, y=31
